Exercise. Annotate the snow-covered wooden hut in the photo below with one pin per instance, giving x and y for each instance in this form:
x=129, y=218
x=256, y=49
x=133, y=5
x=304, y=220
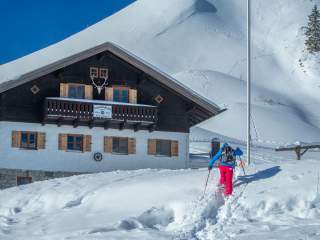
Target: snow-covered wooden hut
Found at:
x=101, y=109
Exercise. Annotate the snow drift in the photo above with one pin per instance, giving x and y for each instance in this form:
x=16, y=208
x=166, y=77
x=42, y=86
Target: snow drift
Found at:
x=277, y=199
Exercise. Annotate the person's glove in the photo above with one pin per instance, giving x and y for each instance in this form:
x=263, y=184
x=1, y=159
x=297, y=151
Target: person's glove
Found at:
x=209, y=168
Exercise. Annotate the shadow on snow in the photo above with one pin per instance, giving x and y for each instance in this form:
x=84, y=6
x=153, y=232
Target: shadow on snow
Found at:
x=261, y=175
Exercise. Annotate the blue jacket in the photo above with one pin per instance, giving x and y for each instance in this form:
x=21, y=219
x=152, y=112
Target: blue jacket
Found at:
x=237, y=152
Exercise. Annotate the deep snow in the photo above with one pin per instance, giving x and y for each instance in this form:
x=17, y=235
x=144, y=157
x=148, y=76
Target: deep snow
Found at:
x=201, y=44
x=277, y=199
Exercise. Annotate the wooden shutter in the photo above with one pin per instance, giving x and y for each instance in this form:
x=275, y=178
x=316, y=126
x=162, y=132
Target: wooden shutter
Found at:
x=64, y=90
x=152, y=146
x=87, y=143
x=108, y=144
x=63, y=141
x=108, y=93
x=174, y=148
x=16, y=139
x=88, y=91
x=41, y=140
x=132, y=96
x=131, y=146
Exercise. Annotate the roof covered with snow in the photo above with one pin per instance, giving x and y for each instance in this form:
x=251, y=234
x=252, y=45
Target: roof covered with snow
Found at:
x=123, y=54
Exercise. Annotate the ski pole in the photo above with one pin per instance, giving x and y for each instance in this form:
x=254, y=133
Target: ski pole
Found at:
x=241, y=164
x=205, y=187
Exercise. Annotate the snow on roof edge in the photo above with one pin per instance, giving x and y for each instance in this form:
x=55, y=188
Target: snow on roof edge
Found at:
x=122, y=53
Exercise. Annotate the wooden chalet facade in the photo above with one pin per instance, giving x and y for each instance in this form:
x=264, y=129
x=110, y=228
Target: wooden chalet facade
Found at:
x=99, y=110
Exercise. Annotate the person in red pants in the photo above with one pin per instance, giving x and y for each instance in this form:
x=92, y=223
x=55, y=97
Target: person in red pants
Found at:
x=225, y=159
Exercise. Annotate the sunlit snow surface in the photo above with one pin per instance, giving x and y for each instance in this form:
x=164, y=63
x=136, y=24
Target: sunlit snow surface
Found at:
x=200, y=43
x=277, y=199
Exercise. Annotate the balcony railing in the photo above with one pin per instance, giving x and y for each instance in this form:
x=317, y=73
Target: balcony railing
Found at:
x=87, y=110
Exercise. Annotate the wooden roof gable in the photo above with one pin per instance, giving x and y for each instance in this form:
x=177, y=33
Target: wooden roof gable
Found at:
x=132, y=59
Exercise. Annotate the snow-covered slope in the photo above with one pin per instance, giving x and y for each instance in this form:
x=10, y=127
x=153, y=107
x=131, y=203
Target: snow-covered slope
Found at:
x=202, y=43
x=276, y=118
x=277, y=199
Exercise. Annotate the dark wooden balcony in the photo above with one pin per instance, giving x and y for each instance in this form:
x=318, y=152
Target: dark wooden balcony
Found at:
x=99, y=113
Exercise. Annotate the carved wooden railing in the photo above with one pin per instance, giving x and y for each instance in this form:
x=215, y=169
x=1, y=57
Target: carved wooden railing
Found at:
x=71, y=109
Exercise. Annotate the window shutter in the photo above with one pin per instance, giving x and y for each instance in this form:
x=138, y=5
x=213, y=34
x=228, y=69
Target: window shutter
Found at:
x=62, y=141
x=108, y=93
x=174, y=148
x=64, y=90
x=132, y=96
x=88, y=91
x=87, y=143
x=108, y=144
x=152, y=146
x=131, y=146
x=16, y=139
x=41, y=140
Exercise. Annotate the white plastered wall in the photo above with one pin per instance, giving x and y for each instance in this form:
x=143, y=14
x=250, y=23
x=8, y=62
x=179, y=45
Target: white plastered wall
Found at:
x=52, y=159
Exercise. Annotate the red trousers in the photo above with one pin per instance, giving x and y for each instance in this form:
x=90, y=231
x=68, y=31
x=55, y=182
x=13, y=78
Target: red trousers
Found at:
x=226, y=174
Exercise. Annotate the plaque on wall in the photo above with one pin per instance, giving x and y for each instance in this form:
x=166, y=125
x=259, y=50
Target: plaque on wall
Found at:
x=102, y=111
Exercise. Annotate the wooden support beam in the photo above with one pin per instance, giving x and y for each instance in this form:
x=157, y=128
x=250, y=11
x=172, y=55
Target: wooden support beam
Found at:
x=152, y=127
x=201, y=113
x=192, y=121
x=59, y=122
x=43, y=122
x=294, y=147
x=136, y=127
x=196, y=117
x=91, y=123
x=304, y=151
x=298, y=149
x=298, y=152
x=191, y=109
x=122, y=125
x=106, y=125
x=76, y=122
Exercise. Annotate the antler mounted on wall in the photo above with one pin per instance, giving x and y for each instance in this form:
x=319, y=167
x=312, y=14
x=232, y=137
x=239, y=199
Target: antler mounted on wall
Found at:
x=99, y=73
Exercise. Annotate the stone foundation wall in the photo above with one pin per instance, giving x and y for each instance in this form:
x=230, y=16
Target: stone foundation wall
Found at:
x=8, y=177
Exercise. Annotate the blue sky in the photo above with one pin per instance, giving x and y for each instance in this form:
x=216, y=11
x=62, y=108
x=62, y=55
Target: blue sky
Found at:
x=29, y=25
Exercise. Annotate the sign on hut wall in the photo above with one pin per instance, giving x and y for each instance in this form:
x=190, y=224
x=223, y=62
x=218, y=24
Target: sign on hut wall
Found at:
x=102, y=111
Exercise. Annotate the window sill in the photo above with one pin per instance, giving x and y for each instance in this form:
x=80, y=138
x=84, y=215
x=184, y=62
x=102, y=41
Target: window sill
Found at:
x=115, y=153
x=26, y=148
x=163, y=156
x=74, y=151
